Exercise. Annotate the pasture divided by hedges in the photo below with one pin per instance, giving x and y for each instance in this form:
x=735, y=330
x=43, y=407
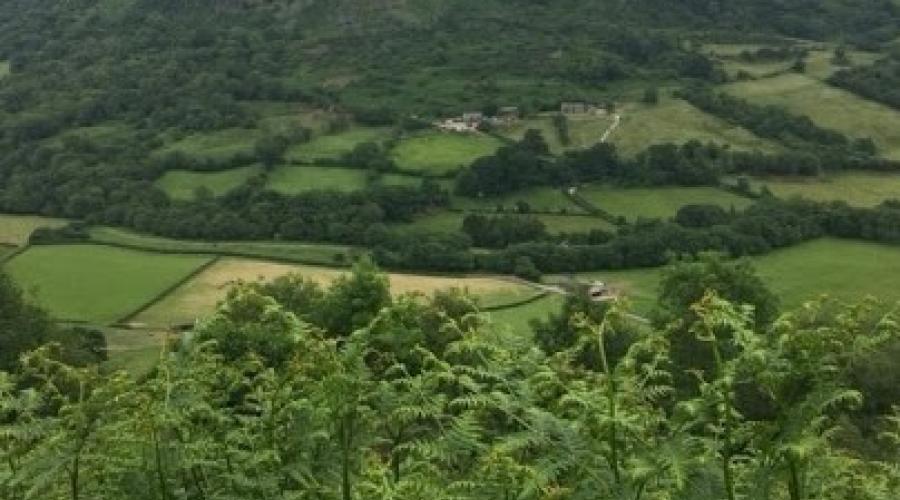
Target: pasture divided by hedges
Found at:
x=97, y=284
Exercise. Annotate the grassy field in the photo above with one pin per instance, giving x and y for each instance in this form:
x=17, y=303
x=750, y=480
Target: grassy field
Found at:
x=4, y=68
x=828, y=106
x=295, y=180
x=298, y=252
x=673, y=120
x=518, y=318
x=6, y=250
x=182, y=184
x=441, y=152
x=332, y=146
x=661, y=202
x=15, y=229
x=540, y=199
x=862, y=189
x=843, y=269
x=97, y=284
x=199, y=296
x=400, y=180
x=218, y=145
x=584, y=130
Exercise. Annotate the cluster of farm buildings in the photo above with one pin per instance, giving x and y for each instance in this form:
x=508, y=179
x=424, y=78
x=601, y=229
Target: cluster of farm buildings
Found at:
x=475, y=120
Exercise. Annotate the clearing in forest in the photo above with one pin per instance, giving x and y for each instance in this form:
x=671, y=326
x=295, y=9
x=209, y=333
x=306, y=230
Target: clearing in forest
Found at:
x=97, y=284
x=199, y=296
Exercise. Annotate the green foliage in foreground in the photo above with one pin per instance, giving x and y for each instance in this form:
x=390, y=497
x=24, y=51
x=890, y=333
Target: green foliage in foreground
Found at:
x=425, y=400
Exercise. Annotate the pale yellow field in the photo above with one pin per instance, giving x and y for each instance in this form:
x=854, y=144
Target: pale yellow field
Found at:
x=15, y=229
x=199, y=296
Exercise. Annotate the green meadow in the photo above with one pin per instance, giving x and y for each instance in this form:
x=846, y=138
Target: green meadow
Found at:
x=183, y=184
x=862, y=189
x=662, y=202
x=828, y=106
x=439, y=153
x=674, y=120
x=332, y=146
x=295, y=180
x=843, y=269
x=97, y=284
